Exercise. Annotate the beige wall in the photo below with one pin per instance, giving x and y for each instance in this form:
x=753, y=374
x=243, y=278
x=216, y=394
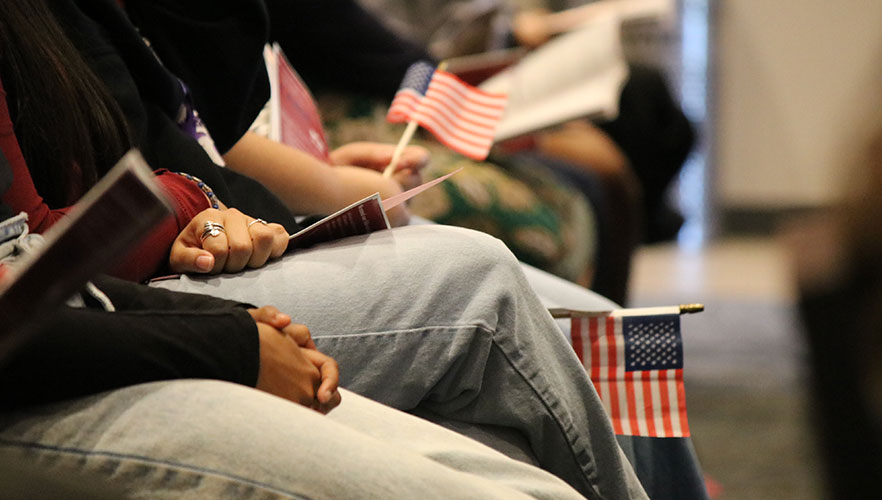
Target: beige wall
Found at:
x=797, y=83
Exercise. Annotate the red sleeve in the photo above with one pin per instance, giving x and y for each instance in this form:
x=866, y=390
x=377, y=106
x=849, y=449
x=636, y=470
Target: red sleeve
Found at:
x=22, y=196
x=145, y=261
x=151, y=256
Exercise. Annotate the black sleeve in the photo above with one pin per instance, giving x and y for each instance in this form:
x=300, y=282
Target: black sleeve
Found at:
x=154, y=335
x=150, y=96
x=130, y=297
x=337, y=45
x=216, y=47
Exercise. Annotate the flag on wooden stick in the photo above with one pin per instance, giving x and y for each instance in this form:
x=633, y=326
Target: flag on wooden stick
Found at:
x=460, y=116
x=634, y=357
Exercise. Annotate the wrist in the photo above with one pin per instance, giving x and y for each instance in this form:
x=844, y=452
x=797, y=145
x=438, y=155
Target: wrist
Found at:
x=209, y=194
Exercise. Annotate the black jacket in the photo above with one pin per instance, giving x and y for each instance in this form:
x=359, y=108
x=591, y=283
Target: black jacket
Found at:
x=151, y=97
x=154, y=335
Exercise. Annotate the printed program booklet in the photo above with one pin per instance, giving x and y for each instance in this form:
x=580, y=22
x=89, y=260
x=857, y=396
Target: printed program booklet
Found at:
x=578, y=74
x=362, y=217
x=294, y=118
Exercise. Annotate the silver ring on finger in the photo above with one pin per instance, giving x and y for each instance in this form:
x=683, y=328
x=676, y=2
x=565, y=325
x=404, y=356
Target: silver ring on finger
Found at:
x=211, y=229
x=255, y=221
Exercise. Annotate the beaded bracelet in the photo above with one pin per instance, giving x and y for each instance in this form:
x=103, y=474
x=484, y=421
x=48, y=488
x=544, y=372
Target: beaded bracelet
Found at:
x=212, y=198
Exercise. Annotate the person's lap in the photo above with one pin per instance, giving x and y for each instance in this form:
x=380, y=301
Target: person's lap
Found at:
x=209, y=439
x=443, y=319
x=342, y=269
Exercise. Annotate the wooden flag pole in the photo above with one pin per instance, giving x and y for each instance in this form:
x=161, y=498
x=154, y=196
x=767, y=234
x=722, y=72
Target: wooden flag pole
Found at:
x=399, y=149
x=405, y=138
x=562, y=312
x=691, y=308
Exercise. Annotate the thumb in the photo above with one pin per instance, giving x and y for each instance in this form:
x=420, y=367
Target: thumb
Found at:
x=190, y=260
x=271, y=316
x=414, y=158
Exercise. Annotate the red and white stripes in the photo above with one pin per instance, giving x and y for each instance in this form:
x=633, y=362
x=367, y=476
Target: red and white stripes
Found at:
x=460, y=116
x=639, y=403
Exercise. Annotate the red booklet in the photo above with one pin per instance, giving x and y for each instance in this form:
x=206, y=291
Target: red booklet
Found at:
x=295, y=119
x=364, y=216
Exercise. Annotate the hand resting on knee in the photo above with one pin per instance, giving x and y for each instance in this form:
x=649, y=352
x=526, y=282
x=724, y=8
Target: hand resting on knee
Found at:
x=240, y=241
x=290, y=365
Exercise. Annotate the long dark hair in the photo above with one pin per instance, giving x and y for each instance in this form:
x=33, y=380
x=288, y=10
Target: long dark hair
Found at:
x=70, y=128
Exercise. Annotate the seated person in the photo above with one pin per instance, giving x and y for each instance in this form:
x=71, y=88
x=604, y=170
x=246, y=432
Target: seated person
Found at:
x=472, y=343
x=553, y=213
x=365, y=58
x=546, y=222
x=155, y=399
x=651, y=137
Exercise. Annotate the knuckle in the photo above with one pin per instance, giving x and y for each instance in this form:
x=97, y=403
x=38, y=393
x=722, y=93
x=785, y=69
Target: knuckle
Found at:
x=239, y=249
x=220, y=254
x=262, y=237
x=305, y=400
x=219, y=251
x=254, y=263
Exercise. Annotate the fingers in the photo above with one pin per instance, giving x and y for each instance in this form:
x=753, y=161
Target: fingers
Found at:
x=187, y=258
x=408, y=178
x=284, y=368
x=330, y=377
x=218, y=247
x=300, y=334
x=413, y=158
x=281, y=321
x=268, y=241
x=325, y=408
x=376, y=156
x=280, y=240
x=238, y=240
x=261, y=243
x=370, y=155
x=304, y=376
x=233, y=245
x=190, y=253
x=271, y=316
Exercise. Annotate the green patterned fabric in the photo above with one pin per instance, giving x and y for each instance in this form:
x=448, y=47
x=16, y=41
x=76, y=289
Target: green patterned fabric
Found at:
x=544, y=221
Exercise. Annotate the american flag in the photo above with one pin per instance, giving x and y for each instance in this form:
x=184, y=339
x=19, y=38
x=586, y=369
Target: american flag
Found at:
x=634, y=358
x=462, y=117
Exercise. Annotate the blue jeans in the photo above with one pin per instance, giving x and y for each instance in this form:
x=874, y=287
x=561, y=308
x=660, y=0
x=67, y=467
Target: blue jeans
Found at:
x=442, y=321
x=198, y=439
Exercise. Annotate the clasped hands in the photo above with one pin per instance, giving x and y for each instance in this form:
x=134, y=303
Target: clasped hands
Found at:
x=290, y=365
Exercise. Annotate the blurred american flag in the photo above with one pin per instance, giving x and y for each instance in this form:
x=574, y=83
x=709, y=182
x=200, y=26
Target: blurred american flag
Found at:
x=460, y=116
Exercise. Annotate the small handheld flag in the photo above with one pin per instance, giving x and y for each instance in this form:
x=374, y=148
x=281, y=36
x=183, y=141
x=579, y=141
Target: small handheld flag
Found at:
x=634, y=357
x=460, y=116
